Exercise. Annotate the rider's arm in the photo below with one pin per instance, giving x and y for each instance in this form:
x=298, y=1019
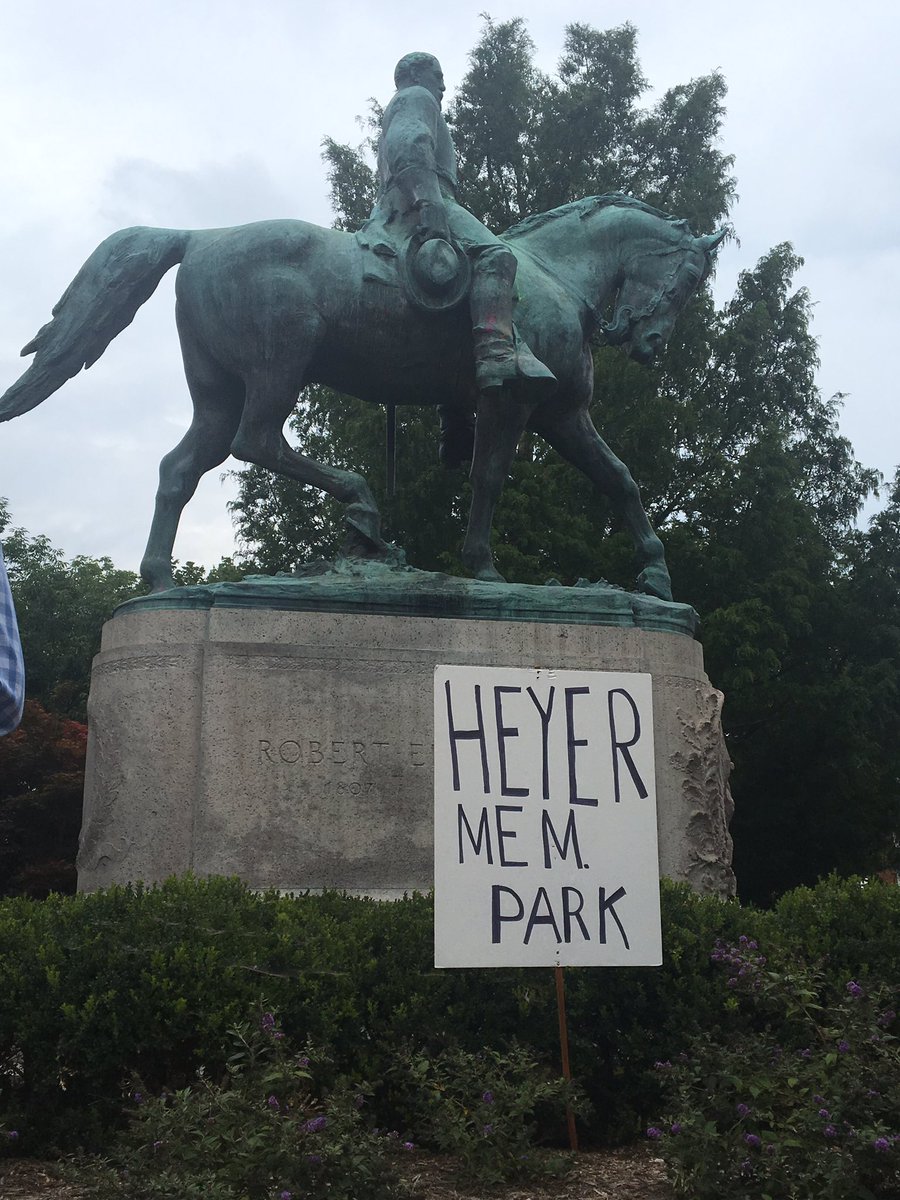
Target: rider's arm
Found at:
x=409, y=140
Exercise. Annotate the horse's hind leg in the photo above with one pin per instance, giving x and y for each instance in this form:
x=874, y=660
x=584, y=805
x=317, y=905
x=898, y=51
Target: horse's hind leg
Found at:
x=573, y=434
x=260, y=440
x=218, y=400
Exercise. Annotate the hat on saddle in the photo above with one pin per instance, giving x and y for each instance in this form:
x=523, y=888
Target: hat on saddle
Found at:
x=435, y=273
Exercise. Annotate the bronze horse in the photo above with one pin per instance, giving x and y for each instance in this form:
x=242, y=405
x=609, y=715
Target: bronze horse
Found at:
x=265, y=309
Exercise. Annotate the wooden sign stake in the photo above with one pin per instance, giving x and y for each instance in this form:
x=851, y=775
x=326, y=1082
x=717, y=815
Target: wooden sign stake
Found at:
x=564, y=1047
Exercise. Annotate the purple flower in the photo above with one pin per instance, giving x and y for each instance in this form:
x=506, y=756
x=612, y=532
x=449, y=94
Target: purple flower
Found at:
x=268, y=1021
x=286, y=1196
x=488, y=1098
x=408, y=1146
x=881, y=1144
x=806, y=1053
x=743, y=1110
x=662, y=1066
x=158, y=1145
x=273, y=1103
x=829, y=1131
x=276, y=1033
x=886, y=1017
x=753, y=1140
x=854, y=989
x=487, y=1130
x=653, y=1133
x=302, y=1060
x=314, y=1158
x=824, y=1113
x=818, y=1099
x=13, y=1135
x=843, y=1046
x=137, y=1097
x=316, y=1124
x=746, y=1166
x=675, y=1127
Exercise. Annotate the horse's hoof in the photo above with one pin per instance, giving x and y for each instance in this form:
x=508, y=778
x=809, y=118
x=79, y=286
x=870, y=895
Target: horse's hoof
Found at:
x=357, y=545
x=655, y=581
x=158, y=576
x=490, y=575
x=363, y=538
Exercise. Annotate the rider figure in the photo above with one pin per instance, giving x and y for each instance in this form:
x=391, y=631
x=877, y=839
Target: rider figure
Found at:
x=417, y=189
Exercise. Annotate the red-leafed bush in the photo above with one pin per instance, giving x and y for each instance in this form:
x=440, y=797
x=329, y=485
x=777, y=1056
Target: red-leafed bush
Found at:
x=41, y=788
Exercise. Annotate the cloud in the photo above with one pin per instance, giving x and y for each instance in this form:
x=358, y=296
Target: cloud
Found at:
x=139, y=191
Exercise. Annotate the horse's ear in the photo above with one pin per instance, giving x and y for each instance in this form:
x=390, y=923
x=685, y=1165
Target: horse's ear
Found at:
x=710, y=242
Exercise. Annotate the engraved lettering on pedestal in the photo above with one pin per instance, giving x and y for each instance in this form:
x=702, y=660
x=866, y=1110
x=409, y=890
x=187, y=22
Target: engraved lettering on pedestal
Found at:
x=313, y=751
x=338, y=767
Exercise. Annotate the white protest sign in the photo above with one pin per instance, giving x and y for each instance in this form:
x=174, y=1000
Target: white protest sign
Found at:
x=545, y=848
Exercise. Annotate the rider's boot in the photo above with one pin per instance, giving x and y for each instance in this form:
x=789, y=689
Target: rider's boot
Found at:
x=502, y=359
x=457, y=443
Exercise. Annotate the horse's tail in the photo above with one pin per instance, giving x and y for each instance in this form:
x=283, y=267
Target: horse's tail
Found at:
x=97, y=305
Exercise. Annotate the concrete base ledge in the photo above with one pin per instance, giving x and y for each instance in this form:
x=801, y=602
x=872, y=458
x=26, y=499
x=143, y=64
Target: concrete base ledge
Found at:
x=294, y=748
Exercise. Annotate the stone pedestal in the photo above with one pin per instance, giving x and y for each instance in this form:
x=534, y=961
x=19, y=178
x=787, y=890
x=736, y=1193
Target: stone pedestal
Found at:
x=283, y=732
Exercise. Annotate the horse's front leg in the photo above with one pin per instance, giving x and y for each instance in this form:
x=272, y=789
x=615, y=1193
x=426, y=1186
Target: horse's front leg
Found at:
x=573, y=434
x=500, y=423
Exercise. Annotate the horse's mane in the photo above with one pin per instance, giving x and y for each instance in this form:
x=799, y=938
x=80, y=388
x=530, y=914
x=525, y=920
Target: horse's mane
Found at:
x=585, y=207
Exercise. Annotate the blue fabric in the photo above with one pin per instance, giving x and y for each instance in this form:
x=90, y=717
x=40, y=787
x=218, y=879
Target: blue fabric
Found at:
x=12, y=668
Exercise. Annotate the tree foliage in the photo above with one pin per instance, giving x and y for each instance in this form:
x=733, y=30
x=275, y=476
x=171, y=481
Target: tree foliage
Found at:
x=61, y=607
x=529, y=142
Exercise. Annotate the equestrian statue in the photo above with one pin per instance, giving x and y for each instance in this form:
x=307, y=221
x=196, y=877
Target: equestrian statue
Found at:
x=423, y=305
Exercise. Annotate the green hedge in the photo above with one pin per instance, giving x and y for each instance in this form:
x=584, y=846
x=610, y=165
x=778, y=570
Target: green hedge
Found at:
x=96, y=988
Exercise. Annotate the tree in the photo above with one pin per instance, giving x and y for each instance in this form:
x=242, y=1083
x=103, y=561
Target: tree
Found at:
x=226, y=570
x=61, y=607
x=740, y=459
x=528, y=142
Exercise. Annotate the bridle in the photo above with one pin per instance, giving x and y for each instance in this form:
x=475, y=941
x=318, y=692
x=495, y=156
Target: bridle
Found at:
x=619, y=329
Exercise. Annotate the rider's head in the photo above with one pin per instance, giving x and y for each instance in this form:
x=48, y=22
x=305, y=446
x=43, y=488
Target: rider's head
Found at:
x=422, y=69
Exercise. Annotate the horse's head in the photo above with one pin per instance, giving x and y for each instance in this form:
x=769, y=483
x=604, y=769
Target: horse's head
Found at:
x=655, y=286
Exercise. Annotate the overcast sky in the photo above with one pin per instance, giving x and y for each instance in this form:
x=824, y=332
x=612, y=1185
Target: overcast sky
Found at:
x=199, y=113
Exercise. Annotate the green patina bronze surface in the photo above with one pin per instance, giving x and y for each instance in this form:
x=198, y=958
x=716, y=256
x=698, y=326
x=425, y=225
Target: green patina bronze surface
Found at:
x=357, y=586
x=266, y=309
